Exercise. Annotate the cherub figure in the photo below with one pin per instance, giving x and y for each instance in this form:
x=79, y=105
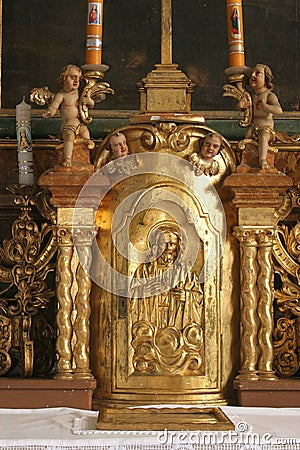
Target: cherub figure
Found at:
x=118, y=145
x=116, y=151
x=204, y=162
x=264, y=104
x=67, y=101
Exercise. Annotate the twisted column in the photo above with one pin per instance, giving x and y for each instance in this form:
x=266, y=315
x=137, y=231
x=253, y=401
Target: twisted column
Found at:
x=256, y=302
x=265, y=305
x=75, y=232
x=65, y=303
x=83, y=240
x=249, y=301
x=258, y=199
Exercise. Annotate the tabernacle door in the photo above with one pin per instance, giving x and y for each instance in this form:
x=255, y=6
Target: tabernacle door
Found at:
x=156, y=334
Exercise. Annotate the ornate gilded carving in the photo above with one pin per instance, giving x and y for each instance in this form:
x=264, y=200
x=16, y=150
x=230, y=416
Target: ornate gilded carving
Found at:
x=166, y=324
x=286, y=336
x=94, y=88
x=236, y=88
x=182, y=138
x=249, y=301
x=256, y=302
x=165, y=135
x=83, y=239
x=26, y=260
x=65, y=303
x=41, y=96
x=164, y=344
x=166, y=419
x=265, y=304
x=5, y=342
x=74, y=240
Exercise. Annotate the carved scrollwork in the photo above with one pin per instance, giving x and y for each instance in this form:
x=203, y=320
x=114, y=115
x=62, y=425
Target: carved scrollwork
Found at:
x=26, y=259
x=286, y=252
x=94, y=88
x=41, y=96
x=288, y=296
x=238, y=93
x=165, y=135
x=5, y=344
x=43, y=336
x=285, y=343
x=148, y=140
x=167, y=350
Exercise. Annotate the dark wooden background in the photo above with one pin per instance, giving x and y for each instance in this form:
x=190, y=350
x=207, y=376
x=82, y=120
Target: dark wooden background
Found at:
x=39, y=38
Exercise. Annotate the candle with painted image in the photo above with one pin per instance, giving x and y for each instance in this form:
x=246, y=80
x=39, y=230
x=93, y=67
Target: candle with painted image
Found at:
x=25, y=155
x=235, y=33
x=94, y=32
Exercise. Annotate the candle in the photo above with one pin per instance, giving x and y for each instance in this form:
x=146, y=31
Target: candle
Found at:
x=25, y=156
x=166, y=32
x=235, y=33
x=94, y=32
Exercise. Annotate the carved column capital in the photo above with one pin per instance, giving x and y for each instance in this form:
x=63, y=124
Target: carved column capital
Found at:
x=64, y=236
x=83, y=236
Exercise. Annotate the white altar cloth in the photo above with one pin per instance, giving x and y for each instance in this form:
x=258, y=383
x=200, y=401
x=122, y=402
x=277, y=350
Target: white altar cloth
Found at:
x=68, y=428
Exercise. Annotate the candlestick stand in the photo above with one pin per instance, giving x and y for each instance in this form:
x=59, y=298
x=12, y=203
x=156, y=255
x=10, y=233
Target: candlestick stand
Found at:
x=236, y=88
x=97, y=89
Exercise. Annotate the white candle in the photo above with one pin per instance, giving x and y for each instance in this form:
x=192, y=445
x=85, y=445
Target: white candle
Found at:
x=25, y=156
x=235, y=33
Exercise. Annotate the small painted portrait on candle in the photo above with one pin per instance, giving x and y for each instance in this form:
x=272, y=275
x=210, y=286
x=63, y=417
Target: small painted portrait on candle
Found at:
x=94, y=17
x=235, y=23
x=24, y=138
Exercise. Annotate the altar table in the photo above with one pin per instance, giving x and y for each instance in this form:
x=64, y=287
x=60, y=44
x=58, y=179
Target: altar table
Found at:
x=69, y=428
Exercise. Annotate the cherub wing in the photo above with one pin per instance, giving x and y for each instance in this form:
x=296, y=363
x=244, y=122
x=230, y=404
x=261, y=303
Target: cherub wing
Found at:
x=41, y=96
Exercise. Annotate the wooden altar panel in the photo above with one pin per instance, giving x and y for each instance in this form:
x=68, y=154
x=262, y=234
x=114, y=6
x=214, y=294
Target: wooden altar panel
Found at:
x=39, y=38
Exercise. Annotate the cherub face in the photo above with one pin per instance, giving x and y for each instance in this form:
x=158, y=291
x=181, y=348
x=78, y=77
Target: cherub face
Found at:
x=72, y=79
x=210, y=147
x=118, y=145
x=257, y=79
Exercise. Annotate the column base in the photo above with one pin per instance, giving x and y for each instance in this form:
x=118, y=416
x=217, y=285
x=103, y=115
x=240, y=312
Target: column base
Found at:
x=280, y=393
x=39, y=393
x=267, y=375
x=247, y=375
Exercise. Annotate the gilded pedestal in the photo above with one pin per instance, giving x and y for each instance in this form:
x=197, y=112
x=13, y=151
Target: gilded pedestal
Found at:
x=257, y=198
x=75, y=230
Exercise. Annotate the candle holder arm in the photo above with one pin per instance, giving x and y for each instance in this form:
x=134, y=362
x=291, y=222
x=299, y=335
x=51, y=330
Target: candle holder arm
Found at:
x=237, y=91
x=94, y=89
